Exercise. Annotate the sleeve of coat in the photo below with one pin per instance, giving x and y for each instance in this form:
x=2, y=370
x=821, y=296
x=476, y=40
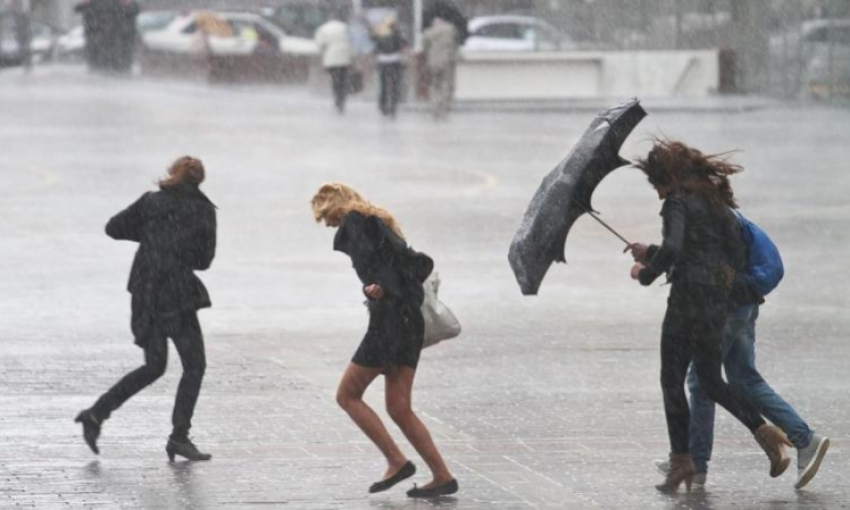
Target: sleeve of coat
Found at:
x=206, y=242
x=663, y=258
x=362, y=239
x=127, y=225
x=354, y=239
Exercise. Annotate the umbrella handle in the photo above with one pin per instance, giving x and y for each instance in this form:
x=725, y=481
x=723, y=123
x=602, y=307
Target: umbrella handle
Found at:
x=593, y=214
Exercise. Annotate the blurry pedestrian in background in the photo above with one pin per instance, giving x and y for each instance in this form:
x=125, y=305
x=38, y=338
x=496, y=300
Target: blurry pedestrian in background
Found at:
x=701, y=253
x=392, y=275
x=210, y=25
x=389, y=45
x=441, y=49
x=176, y=231
x=22, y=14
x=333, y=42
x=126, y=34
x=109, y=27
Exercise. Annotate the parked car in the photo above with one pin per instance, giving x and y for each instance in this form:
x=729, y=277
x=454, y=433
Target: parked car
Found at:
x=70, y=46
x=245, y=47
x=298, y=18
x=813, y=59
x=147, y=21
x=44, y=38
x=827, y=71
x=515, y=33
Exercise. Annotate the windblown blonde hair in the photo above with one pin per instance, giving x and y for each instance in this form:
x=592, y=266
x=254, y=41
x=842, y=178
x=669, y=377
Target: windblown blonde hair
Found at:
x=335, y=200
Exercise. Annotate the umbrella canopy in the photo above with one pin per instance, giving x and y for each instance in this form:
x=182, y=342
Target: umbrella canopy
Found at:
x=449, y=11
x=565, y=194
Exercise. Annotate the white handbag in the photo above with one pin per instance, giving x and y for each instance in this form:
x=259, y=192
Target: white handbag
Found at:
x=440, y=323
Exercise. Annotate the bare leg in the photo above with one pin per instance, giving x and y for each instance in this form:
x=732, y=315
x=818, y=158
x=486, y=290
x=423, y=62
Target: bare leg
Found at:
x=349, y=396
x=398, y=394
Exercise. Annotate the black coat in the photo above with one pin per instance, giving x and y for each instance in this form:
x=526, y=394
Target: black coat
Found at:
x=380, y=256
x=390, y=43
x=176, y=232
x=701, y=244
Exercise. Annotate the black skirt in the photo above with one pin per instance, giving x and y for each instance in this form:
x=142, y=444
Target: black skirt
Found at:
x=395, y=336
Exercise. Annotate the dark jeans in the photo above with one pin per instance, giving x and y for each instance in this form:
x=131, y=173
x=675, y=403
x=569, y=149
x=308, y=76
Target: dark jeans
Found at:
x=185, y=330
x=339, y=83
x=390, y=75
x=693, y=330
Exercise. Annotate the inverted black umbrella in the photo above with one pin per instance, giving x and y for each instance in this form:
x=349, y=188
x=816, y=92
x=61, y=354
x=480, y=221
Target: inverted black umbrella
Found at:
x=565, y=195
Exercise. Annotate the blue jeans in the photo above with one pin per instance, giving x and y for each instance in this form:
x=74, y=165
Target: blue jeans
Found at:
x=739, y=361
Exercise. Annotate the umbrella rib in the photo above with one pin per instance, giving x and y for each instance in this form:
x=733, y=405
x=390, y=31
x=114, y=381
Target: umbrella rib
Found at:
x=589, y=211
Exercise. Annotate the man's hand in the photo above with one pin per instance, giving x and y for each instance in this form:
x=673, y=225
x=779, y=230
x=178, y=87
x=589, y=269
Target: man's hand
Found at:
x=373, y=291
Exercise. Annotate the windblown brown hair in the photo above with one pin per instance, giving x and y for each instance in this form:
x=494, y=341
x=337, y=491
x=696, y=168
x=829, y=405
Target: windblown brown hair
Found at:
x=185, y=170
x=335, y=200
x=677, y=167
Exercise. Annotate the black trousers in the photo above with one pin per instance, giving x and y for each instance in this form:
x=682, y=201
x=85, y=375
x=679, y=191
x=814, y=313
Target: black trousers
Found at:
x=390, y=75
x=693, y=331
x=185, y=331
x=339, y=83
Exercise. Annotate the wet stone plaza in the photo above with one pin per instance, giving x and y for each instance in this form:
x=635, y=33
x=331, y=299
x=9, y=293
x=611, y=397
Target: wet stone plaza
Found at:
x=545, y=402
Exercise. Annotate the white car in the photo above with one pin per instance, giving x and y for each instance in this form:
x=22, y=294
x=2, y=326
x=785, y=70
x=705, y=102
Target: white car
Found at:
x=515, y=33
x=42, y=43
x=70, y=46
x=250, y=33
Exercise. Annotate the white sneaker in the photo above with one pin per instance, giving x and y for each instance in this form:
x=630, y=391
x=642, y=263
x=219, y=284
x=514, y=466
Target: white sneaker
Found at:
x=809, y=459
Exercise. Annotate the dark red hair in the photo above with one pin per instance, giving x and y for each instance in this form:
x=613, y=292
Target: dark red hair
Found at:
x=676, y=167
x=185, y=170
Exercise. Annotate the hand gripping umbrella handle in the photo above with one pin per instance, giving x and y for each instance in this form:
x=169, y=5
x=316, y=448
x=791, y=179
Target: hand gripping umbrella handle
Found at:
x=592, y=213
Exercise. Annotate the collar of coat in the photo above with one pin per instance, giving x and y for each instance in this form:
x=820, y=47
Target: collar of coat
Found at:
x=188, y=189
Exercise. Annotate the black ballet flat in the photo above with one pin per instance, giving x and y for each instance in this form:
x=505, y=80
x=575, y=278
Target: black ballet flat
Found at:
x=447, y=488
x=406, y=471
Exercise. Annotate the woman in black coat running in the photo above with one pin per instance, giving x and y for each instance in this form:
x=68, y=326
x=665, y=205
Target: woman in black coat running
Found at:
x=701, y=252
x=392, y=276
x=176, y=231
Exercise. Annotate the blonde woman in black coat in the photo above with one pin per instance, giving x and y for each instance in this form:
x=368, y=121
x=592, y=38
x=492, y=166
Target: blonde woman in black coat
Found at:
x=392, y=276
x=176, y=231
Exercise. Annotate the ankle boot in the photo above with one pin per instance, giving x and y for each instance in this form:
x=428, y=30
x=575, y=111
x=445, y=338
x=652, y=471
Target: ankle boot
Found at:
x=184, y=448
x=91, y=428
x=773, y=441
x=681, y=470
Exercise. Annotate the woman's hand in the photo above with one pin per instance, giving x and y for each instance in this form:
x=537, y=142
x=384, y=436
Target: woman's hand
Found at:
x=373, y=291
x=636, y=270
x=638, y=251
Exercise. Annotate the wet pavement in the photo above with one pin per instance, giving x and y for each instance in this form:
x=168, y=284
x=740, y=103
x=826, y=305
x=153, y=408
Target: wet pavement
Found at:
x=543, y=402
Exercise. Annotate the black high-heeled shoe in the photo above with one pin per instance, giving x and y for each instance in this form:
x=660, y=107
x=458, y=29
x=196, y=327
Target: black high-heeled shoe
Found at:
x=91, y=429
x=406, y=471
x=185, y=448
x=447, y=488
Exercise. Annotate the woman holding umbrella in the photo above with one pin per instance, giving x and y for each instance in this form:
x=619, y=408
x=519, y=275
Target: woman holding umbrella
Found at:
x=392, y=275
x=700, y=253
